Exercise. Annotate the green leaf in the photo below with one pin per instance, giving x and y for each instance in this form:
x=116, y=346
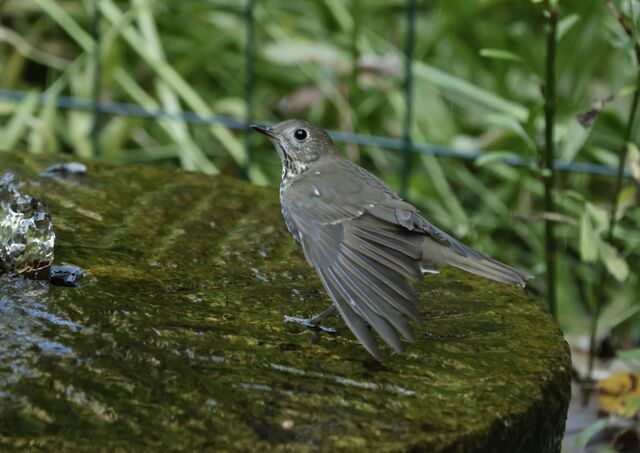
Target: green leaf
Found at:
x=189, y=152
x=341, y=14
x=627, y=199
x=460, y=87
x=565, y=25
x=492, y=157
x=583, y=438
x=615, y=264
x=573, y=141
x=630, y=355
x=618, y=311
x=180, y=86
x=500, y=54
x=599, y=215
x=18, y=124
x=513, y=125
x=633, y=157
x=574, y=195
x=588, y=239
x=59, y=15
x=42, y=138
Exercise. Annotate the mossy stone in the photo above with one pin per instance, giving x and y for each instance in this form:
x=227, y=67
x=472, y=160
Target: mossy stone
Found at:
x=176, y=340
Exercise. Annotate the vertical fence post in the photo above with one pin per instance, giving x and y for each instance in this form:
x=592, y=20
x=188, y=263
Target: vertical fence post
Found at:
x=549, y=174
x=249, y=81
x=408, y=96
x=97, y=79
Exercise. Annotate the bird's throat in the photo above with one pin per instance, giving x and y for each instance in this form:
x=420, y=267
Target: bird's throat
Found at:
x=291, y=168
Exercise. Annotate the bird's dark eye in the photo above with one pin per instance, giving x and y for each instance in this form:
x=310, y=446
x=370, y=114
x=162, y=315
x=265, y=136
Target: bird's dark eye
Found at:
x=300, y=134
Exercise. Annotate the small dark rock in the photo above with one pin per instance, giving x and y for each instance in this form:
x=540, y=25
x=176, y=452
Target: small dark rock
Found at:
x=69, y=276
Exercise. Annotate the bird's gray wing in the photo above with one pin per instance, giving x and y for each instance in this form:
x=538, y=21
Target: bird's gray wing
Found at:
x=366, y=263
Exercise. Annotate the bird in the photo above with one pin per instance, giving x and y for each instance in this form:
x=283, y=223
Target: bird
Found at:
x=368, y=246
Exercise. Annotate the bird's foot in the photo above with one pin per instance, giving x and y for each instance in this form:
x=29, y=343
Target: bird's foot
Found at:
x=314, y=322
x=310, y=323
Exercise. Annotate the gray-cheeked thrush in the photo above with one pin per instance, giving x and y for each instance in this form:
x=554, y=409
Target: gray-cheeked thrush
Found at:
x=367, y=245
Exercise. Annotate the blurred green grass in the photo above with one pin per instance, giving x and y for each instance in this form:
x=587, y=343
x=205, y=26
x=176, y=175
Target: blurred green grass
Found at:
x=478, y=73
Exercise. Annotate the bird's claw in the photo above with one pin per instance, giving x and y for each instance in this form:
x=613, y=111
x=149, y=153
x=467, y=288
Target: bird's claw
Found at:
x=310, y=323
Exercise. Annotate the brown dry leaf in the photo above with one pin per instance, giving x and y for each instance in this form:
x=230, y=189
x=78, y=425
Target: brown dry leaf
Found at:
x=620, y=394
x=586, y=119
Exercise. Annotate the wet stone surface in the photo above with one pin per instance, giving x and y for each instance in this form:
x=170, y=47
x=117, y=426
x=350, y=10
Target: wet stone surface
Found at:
x=175, y=337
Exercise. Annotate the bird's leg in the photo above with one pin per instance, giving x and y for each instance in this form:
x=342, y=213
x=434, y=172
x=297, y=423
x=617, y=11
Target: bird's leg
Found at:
x=316, y=319
x=313, y=323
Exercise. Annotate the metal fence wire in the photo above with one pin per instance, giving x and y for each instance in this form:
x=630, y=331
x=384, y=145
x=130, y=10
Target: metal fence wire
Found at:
x=404, y=144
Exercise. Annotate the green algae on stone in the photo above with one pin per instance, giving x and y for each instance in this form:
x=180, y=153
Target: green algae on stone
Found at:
x=175, y=338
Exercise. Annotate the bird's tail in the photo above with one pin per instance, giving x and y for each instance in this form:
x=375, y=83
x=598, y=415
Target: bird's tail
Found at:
x=473, y=261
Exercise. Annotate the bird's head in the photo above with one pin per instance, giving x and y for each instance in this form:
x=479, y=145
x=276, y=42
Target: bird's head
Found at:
x=299, y=143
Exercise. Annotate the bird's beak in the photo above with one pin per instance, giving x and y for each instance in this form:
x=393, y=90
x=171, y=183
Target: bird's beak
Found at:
x=266, y=130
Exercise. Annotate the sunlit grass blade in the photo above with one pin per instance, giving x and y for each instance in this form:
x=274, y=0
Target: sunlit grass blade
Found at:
x=42, y=137
x=186, y=146
x=449, y=83
x=191, y=156
x=172, y=78
x=19, y=122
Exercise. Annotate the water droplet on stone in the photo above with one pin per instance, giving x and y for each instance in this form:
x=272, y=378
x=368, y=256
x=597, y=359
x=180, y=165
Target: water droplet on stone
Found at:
x=26, y=233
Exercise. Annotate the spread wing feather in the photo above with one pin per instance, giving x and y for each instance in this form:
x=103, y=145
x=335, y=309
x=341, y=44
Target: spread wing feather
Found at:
x=363, y=291
x=381, y=326
x=368, y=267
x=355, y=323
x=379, y=292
